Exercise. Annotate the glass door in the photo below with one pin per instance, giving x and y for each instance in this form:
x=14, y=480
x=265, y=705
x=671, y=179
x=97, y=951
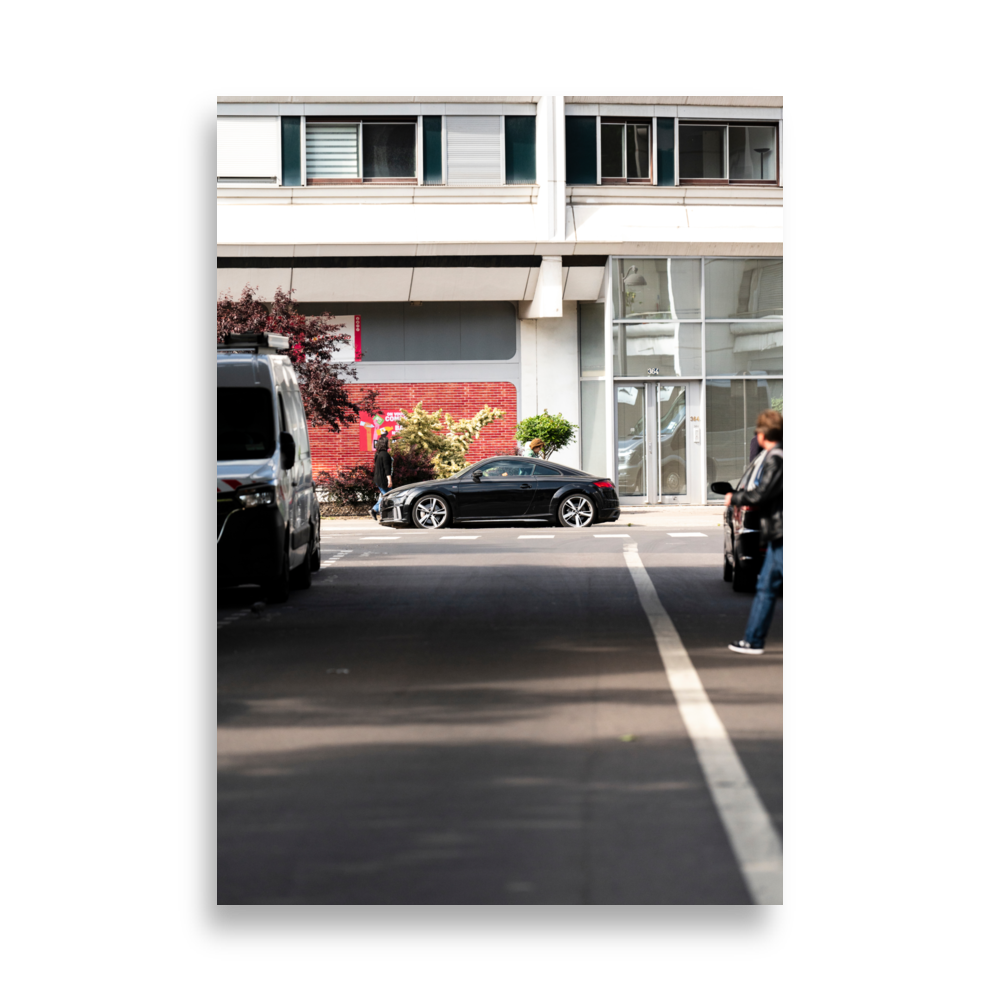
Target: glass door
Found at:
x=671, y=402
x=653, y=448
x=632, y=444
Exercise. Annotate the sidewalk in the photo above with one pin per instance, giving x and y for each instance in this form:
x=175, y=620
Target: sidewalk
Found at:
x=641, y=517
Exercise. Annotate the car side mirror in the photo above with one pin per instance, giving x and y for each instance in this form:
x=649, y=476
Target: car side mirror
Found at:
x=477, y=476
x=721, y=487
x=287, y=443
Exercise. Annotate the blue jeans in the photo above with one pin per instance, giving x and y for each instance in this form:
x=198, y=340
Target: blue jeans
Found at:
x=768, y=585
x=378, y=503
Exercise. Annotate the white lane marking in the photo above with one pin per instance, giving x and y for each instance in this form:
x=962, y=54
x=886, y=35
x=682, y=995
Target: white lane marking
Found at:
x=612, y=536
x=535, y=536
x=459, y=538
x=334, y=556
x=751, y=833
x=687, y=534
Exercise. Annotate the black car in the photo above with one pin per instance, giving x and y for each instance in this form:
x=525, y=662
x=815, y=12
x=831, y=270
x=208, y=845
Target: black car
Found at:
x=743, y=549
x=505, y=488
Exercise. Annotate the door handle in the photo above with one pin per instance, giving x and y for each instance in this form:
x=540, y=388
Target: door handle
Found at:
x=526, y=486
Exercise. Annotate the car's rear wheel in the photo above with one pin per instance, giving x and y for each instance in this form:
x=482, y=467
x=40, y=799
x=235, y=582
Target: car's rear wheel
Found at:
x=576, y=511
x=431, y=512
x=314, y=556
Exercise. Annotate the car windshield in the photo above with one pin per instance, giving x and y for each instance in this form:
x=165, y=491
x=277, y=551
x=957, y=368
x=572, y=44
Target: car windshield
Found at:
x=245, y=418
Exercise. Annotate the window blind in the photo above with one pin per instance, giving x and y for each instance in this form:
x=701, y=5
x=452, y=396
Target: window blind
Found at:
x=248, y=150
x=475, y=149
x=331, y=151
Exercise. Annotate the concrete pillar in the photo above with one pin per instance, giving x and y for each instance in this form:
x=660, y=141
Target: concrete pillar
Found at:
x=550, y=147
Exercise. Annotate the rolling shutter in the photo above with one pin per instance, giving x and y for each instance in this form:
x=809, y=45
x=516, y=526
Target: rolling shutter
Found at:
x=475, y=149
x=248, y=150
x=331, y=152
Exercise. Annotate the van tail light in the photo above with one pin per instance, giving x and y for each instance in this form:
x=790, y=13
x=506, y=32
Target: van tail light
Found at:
x=745, y=509
x=605, y=484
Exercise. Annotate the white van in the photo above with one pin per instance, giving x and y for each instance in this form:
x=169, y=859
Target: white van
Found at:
x=268, y=515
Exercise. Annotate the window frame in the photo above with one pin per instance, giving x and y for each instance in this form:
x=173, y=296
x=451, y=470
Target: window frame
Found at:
x=625, y=122
x=727, y=124
x=413, y=120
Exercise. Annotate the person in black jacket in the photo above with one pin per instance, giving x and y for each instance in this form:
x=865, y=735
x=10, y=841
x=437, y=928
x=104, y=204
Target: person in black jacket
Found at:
x=383, y=470
x=765, y=494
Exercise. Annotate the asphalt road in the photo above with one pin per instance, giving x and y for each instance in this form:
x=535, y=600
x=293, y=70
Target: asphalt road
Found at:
x=440, y=719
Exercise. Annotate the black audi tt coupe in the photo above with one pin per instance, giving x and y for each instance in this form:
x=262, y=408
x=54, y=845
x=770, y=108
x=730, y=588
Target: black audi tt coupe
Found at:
x=504, y=488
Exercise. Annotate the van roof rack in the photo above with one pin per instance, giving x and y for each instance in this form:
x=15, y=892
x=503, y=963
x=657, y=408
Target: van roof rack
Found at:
x=253, y=343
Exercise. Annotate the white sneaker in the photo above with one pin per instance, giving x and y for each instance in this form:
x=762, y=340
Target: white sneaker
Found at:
x=744, y=647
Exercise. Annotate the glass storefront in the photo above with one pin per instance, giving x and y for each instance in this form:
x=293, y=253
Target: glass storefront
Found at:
x=698, y=351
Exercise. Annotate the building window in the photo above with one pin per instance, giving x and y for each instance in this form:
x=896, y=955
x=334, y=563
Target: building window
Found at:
x=248, y=150
x=713, y=152
x=625, y=151
x=432, y=149
x=519, y=149
x=371, y=151
x=475, y=149
x=581, y=149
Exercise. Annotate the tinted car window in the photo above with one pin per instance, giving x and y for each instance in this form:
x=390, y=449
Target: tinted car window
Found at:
x=546, y=470
x=506, y=467
x=245, y=418
x=565, y=470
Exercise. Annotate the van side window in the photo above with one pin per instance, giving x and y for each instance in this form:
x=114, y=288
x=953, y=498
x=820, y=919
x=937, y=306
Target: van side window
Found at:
x=281, y=410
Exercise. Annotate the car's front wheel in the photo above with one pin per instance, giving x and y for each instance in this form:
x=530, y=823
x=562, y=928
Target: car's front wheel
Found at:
x=431, y=512
x=576, y=511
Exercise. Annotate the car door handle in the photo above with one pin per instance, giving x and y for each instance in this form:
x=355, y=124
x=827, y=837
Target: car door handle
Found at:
x=526, y=486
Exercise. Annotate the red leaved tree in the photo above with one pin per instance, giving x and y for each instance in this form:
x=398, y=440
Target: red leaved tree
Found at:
x=311, y=341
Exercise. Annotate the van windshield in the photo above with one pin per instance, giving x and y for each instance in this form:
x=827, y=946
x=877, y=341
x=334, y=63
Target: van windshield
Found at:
x=245, y=418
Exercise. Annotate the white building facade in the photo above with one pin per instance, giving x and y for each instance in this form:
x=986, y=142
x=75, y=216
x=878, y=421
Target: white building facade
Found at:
x=618, y=260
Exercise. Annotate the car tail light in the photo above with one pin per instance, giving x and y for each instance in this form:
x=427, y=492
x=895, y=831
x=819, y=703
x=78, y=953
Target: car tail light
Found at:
x=605, y=484
x=746, y=508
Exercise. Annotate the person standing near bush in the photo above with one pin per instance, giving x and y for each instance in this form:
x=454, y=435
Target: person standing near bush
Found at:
x=383, y=470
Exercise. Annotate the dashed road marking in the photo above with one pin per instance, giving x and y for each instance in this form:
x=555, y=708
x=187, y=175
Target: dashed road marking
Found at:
x=751, y=833
x=335, y=555
x=687, y=534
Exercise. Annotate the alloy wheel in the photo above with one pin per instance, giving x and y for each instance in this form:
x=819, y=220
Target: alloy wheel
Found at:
x=430, y=512
x=576, y=512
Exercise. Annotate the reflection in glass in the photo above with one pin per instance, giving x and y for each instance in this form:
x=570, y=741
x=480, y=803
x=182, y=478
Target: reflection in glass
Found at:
x=701, y=150
x=389, y=149
x=593, y=429
x=744, y=348
x=657, y=288
x=731, y=409
x=631, y=440
x=753, y=152
x=612, y=150
x=672, y=403
x=668, y=348
x=738, y=288
x=637, y=151
x=591, y=338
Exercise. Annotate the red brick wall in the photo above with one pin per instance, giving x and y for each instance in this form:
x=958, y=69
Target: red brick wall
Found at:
x=334, y=452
